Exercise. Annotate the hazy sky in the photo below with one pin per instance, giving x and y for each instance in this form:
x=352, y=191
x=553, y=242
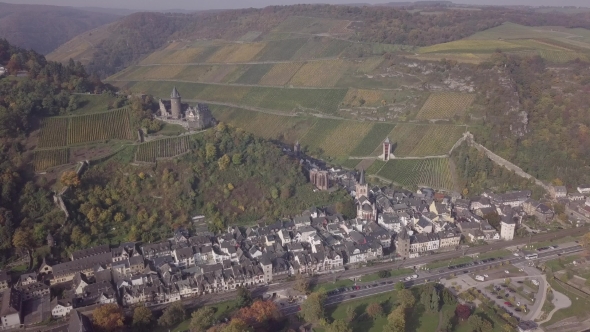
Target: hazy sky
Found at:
x=223, y=4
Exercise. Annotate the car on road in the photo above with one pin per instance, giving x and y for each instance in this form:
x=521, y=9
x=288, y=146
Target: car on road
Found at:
x=352, y=295
x=414, y=276
x=499, y=297
x=506, y=271
x=408, y=278
x=516, y=254
x=486, y=276
x=517, y=309
x=375, y=285
x=518, y=304
x=555, y=246
x=508, y=304
x=390, y=282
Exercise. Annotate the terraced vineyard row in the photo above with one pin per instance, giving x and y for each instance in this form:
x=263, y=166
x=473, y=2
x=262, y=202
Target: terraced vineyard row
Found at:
x=372, y=140
x=269, y=126
x=434, y=172
x=411, y=140
x=53, y=132
x=163, y=148
x=45, y=159
x=98, y=127
x=445, y=105
x=279, y=99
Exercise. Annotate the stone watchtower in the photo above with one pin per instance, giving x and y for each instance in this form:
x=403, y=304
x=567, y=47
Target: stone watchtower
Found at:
x=386, y=149
x=175, y=106
x=402, y=243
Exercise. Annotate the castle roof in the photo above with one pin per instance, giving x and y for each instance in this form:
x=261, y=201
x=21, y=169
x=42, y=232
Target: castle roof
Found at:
x=174, y=93
x=386, y=140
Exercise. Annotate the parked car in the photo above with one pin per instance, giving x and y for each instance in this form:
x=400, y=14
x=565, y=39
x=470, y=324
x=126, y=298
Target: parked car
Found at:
x=518, y=304
x=408, y=278
x=506, y=271
x=414, y=276
x=508, y=304
x=516, y=254
x=486, y=276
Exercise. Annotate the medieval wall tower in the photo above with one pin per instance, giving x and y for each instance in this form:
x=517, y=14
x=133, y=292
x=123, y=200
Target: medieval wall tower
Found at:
x=175, y=104
x=386, y=149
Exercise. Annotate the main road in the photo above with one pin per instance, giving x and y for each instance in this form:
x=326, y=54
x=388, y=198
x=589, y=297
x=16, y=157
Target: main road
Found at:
x=387, y=285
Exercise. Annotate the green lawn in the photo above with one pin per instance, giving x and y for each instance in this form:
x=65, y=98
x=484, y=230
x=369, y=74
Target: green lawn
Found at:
x=494, y=254
x=171, y=130
x=579, y=307
x=560, y=263
x=362, y=322
x=333, y=285
x=93, y=103
x=445, y=263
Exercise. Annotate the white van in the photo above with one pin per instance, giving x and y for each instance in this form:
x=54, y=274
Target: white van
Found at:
x=479, y=278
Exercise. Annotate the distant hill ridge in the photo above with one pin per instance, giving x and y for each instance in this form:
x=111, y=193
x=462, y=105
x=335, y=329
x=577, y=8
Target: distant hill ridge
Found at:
x=140, y=34
x=43, y=28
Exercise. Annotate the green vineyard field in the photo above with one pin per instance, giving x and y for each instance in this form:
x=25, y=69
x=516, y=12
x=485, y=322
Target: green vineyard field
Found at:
x=44, y=159
x=424, y=140
x=445, y=105
x=373, y=140
x=100, y=126
x=53, y=132
x=434, y=172
x=163, y=148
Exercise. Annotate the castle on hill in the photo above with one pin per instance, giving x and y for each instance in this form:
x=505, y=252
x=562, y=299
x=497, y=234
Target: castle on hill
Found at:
x=175, y=112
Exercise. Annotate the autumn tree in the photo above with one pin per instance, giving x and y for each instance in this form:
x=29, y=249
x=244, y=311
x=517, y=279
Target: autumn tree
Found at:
x=448, y=297
x=70, y=179
x=174, y=314
x=399, y=286
x=244, y=297
x=396, y=321
x=312, y=309
x=236, y=325
x=202, y=319
x=260, y=312
x=350, y=314
x=108, y=317
x=223, y=162
x=463, y=312
x=301, y=284
x=236, y=159
x=374, y=310
x=142, y=317
x=406, y=299
x=338, y=326
x=479, y=324
x=23, y=238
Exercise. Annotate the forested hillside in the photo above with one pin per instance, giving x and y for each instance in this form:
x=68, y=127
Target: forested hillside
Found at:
x=553, y=103
x=139, y=34
x=27, y=212
x=44, y=28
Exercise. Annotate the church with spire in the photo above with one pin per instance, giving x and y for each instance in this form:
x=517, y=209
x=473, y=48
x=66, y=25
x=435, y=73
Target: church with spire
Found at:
x=365, y=208
x=175, y=112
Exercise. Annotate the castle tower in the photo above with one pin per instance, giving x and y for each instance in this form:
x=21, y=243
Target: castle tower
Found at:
x=362, y=188
x=175, y=106
x=386, y=149
x=402, y=243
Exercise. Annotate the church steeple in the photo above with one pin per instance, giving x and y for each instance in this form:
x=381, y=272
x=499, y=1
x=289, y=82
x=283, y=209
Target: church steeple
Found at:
x=362, y=177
